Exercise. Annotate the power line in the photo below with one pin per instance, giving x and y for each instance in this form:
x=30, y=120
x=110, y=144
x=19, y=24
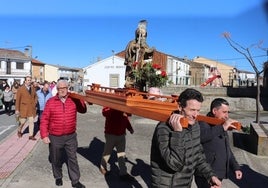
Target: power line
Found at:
x=239, y=58
x=18, y=47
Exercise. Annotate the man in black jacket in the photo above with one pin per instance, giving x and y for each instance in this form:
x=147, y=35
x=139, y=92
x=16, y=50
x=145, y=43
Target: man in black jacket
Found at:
x=215, y=142
x=176, y=152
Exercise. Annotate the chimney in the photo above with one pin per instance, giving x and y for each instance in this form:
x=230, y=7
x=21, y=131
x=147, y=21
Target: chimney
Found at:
x=26, y=52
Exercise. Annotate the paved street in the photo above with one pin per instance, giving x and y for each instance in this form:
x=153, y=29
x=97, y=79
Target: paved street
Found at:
x=35, y=171
x=7, y=124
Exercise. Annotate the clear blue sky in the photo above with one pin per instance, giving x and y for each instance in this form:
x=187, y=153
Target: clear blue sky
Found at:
x=75, y=33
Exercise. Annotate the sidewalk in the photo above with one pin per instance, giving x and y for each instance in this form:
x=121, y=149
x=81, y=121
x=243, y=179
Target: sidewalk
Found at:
x=13, y=150
x=35, y=171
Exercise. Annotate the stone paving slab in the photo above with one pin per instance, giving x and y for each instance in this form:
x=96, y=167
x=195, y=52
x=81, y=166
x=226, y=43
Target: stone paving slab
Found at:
x=35, y=170
x=14, y=151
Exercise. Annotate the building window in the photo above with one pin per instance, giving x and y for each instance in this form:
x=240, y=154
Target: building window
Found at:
x=114, y=80
x=41, y=71
x=19, y=65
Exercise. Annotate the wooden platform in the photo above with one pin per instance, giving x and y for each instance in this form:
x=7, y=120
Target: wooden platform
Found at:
x=156, y=107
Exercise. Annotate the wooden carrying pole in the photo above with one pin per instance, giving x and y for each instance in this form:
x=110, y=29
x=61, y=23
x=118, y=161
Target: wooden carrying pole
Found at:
x=139, y=103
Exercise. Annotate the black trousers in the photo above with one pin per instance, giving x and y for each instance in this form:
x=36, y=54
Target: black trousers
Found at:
x=8, y=106
x=59, y=147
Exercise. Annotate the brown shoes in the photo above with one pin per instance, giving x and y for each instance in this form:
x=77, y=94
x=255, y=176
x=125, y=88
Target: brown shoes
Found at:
x=32, y=138
x=19, y=134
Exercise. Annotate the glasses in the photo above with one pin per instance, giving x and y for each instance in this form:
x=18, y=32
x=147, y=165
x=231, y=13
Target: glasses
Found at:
x=62, y=88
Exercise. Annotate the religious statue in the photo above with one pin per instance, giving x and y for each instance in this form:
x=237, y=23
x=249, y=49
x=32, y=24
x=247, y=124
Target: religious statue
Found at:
x=137, y=52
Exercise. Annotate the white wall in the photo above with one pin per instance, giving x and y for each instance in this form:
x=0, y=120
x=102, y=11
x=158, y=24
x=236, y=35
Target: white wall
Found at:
x=18, y=74
x=177, y=71
x=51, y=73
x=100, y=72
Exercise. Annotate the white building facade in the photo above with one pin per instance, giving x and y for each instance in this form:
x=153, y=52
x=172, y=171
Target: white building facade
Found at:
x=14, y=66
x=178, y=71
x=109, y=72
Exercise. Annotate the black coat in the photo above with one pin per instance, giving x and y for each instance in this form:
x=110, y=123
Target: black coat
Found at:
x=215, y=142
x=175, y=156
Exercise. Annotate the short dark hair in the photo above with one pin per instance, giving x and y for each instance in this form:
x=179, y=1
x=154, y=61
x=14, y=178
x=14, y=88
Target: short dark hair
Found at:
x=189, y=94
x=28, y=76
x=216, y=103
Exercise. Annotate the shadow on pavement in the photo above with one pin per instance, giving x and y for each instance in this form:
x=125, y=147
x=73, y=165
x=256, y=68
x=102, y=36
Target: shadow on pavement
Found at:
x=140, y=168
x=93, y=153
x=250, y=178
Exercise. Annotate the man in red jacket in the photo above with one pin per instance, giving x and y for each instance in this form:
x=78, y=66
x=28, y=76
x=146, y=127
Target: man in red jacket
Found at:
x=58, y=129
x=116, y=124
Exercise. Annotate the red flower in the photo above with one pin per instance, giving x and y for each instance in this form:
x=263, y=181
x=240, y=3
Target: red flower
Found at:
x=156, y=66
x=163, y=74
x=135, y=64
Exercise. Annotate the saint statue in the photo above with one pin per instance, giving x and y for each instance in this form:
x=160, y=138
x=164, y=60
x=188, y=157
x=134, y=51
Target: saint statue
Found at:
x=137, y=52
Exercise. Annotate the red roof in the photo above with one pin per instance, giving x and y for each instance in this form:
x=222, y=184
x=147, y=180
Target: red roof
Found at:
x=35, y=61
x=12, y=54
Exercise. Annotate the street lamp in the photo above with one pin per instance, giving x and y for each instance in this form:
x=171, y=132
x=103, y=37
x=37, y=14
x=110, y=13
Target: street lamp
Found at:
x=113, y=56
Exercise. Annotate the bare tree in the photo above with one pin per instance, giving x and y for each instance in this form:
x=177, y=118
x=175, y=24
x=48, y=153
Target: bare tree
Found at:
x=246, y=53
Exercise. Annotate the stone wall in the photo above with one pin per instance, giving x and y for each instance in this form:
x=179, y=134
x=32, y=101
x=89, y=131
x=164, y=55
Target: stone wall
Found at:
x=210, y=93
x=258, y=139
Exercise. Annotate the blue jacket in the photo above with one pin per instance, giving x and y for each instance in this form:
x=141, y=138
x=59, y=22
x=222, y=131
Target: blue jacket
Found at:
x=42, y=98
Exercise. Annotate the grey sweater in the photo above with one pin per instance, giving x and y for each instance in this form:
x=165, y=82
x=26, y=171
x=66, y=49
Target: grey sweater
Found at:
x=8, y=96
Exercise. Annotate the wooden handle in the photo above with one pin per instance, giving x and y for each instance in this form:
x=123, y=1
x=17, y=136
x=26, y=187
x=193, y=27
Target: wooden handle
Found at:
x=238, y=125
x=209, y=120
x=184, y=122
x=216, y=121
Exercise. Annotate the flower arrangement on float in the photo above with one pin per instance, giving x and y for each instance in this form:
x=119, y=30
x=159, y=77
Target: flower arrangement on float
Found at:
x=150, y=74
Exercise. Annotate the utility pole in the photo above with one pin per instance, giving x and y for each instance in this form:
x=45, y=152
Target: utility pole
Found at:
x=113, y=56
x=29, y=49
